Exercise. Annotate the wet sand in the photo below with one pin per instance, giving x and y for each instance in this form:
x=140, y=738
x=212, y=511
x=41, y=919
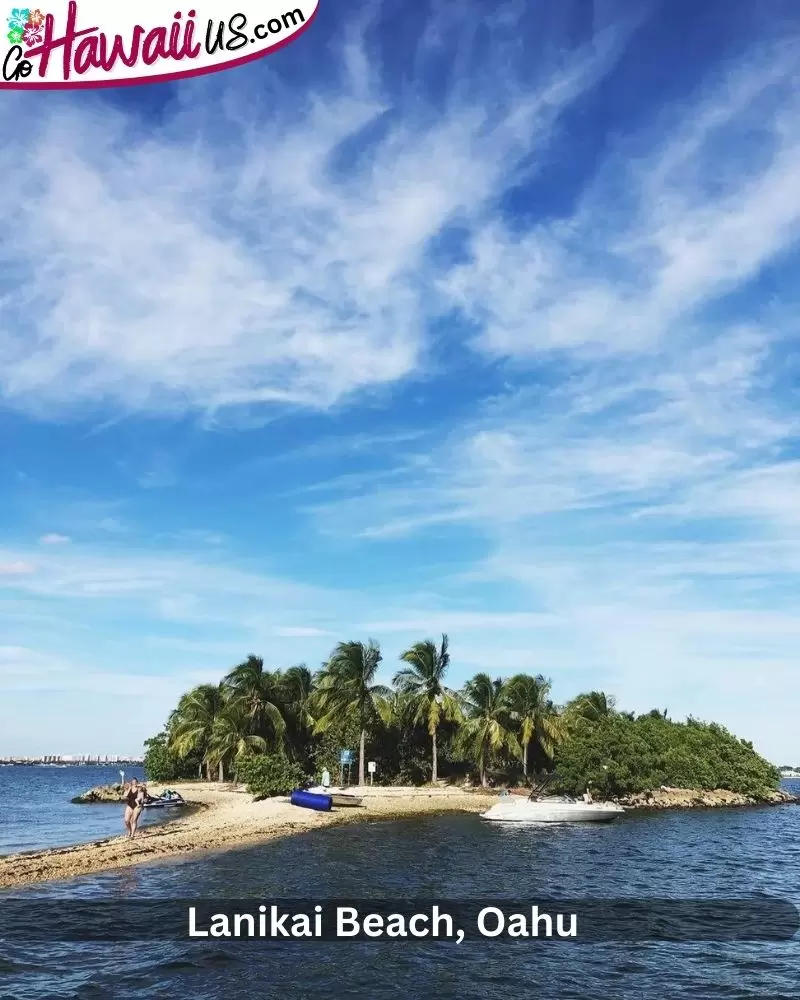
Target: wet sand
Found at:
x=226, y=818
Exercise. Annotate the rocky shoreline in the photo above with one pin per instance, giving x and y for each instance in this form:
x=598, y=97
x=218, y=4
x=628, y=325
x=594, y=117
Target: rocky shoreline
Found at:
x=662, y=798
x=695, y=798
x=101, y=793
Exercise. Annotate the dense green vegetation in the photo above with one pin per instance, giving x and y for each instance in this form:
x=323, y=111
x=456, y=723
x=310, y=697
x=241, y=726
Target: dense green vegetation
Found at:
x=618, y=755
x=163, y=764
x=273, y=728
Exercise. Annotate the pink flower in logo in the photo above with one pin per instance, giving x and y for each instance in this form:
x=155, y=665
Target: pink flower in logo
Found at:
x=32, y=35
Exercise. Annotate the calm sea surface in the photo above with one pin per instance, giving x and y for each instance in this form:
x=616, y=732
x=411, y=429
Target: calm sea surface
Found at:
x=725, y=853
x=35, y=807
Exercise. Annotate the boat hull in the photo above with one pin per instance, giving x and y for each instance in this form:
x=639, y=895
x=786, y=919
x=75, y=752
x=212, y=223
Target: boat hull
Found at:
x=340, y=799
x=525, y=811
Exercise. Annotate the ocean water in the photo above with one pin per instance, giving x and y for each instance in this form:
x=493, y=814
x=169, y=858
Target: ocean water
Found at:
x=36, y=812
x=716, y=853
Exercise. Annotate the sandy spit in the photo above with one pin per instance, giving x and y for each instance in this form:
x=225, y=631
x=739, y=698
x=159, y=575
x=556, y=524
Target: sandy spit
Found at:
x=226, y=818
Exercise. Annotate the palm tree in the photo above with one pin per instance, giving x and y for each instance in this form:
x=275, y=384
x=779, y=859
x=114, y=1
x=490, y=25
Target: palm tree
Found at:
x=534, y=714
x=296, y=695
x=592, y=706
x=422, y=691
x=346, y=690
x=298, y=688
x=255, y=690
x=231, y=736
x=488, y=724
x=191, y=725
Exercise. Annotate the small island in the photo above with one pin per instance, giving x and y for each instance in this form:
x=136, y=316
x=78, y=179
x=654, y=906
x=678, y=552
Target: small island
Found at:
x=274, y=730
x=236, y=749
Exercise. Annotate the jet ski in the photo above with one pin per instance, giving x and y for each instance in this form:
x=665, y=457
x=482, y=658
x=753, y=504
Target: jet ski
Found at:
x=167, y=798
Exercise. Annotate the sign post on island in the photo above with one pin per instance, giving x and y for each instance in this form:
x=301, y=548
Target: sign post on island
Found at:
x=345, y=760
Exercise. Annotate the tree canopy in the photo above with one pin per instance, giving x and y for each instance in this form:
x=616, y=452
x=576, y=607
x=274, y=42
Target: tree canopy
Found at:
x=269, y=727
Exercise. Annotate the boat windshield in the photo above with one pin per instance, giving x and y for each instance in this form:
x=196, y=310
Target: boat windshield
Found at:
x=539, y=787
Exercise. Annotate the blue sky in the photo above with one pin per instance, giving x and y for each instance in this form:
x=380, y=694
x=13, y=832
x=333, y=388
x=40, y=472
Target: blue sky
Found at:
x=480, y=320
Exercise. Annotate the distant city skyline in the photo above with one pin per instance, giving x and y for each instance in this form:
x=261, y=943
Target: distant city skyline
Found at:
x=74, y=758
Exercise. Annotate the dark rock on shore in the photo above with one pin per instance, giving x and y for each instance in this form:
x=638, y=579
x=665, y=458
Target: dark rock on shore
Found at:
x=102, y=793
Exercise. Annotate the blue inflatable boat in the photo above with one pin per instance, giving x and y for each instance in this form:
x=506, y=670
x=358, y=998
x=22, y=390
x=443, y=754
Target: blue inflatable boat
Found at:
x=310, y=800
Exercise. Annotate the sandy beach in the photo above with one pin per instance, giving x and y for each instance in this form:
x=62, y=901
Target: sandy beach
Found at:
x=226, y=818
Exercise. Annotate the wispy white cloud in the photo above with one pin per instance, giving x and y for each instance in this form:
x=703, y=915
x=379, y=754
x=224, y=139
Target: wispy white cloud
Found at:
x=661, y=233
x=16, y=567
x=25, y=669
x=54, y=539
x=433, y=622
x=154, y=578
x=679, y=408
x=267, y=274
x=644, y=488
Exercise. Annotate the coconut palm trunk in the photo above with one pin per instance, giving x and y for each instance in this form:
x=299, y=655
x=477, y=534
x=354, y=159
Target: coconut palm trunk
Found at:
x=534, y=716
x=426, y=699
x=192, y=722
x=487, y=726
x=345, y=691
x=221, y=771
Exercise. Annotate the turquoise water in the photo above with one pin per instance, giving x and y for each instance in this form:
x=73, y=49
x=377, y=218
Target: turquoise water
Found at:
x=727, y=853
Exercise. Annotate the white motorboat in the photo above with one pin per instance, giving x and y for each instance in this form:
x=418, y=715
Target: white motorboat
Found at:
x=551, y=809
x=339, y=796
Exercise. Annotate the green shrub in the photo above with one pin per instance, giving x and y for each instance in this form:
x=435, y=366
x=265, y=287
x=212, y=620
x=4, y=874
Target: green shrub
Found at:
x=269, y=774
x=162, y=765
x=620, y=755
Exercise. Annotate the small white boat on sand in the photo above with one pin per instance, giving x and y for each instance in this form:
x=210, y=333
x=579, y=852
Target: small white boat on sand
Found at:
x=551, y=809
x=339, y=796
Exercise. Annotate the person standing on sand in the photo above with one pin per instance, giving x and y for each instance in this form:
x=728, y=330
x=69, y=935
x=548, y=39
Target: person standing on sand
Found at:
x=134, y=800
x=141, y=798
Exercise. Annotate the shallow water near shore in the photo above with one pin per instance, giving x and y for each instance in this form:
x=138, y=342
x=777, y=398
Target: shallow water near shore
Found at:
x=36, y=811
x=725, y=853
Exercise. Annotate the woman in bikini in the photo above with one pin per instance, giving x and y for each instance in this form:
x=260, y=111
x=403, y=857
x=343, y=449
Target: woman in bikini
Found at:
x=134, y=800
